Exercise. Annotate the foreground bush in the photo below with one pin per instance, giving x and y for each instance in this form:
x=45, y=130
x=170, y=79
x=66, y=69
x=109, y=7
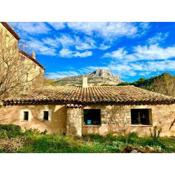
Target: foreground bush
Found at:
x=13, y=139
x=10, y=131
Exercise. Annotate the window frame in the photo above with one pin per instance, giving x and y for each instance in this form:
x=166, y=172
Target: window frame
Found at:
x=41, y=115
x=26, y=118
x=48, y=115
x=95, y=125
x=140, y=123
x=22, y=115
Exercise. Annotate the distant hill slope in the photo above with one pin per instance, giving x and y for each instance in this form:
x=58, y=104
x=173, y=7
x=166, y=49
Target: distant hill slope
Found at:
x=48, y=82
x=99, y=77
x=164, y=83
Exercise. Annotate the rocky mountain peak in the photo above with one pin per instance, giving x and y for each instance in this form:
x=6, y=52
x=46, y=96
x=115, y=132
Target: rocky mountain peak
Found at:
x=99, y=77
x=101, y=73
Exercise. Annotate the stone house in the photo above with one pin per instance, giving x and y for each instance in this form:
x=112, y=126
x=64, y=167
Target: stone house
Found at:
x=36, y=72
x=92, y=110
x=9, y=45
x=84, y=110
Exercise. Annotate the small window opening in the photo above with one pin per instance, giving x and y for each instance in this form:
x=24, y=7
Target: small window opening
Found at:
x=46, y=115
x=26, y=115
x=141, y=116
x=92, y=116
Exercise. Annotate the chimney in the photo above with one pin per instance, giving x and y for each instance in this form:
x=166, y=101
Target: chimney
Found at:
x=33, y=55
x=85, y=82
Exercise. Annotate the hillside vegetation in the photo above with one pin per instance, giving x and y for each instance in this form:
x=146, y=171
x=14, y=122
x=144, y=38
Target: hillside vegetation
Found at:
x=164, y=83
x=48, y=82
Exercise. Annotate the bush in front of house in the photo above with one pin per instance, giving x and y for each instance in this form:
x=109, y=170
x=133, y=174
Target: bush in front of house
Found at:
x=10, y=131
x=13, y=139
x=52, y=143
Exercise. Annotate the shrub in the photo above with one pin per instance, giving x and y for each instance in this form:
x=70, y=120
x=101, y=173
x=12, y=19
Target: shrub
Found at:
x=33, y=132
x=94, y=138
x=3, y=134
x=10, y=130
x=34, y=141
x=155, y=132
x=131, y=137
x=51, y=144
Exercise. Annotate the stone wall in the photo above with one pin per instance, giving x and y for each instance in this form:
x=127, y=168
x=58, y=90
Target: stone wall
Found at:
x=56, y=124
x=117, y=119
x=35, y=77
x=114, y=119
x=8, y=38
x=74, y=121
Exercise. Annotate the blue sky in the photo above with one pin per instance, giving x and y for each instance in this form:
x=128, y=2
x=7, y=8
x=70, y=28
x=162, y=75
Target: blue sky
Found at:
x=130, y=50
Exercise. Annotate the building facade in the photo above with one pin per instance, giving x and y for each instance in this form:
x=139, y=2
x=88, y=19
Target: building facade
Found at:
x=80, y=110
x=92, y=110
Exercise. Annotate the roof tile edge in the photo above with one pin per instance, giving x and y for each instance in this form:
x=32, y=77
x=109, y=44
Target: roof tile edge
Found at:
x=7, y=26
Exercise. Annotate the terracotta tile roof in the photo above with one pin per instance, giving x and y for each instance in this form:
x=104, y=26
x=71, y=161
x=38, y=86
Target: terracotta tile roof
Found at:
x=92, y=95
x=5, y=24
x=30, y=57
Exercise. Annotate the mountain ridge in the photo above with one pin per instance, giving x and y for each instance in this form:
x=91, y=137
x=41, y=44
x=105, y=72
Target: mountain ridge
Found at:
x=98, y=77
x=163, y=83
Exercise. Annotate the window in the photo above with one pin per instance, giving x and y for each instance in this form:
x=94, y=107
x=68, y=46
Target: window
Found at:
x=92, y=116
x=46, y=115
x=26, y=115
x=141, y=116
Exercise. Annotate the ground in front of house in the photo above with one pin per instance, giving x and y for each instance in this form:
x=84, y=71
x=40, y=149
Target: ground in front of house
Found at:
x=13, y=139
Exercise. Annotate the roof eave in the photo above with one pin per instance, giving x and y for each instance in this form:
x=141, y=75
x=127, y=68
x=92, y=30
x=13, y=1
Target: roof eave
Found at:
x=7, y=26
x=60, y=102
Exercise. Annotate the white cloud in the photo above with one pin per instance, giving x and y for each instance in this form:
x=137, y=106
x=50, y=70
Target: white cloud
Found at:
x=84, y=44
x=79, y=43
x=122, y=69
x=69, y=53
x=51, y=42
x=161, y=66
x=31, y=27
x=119, y=53
x=83, y=54
x=66, y=53
x=152, y=52
x=141, y=61
x=49, y=46
x=38, y=47
x=57, y=25
x=159, y=37
x=66, y=40
x=125, y=70
x=74, y=46
x=143, y=27
x=104, y=46
x=105, y=29
x=137, y=66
